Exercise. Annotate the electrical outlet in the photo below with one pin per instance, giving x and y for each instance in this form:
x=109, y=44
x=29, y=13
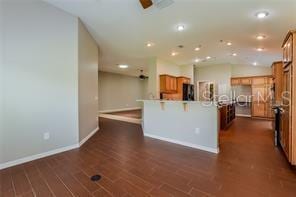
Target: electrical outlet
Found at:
x=46, y=136
x=197, y=130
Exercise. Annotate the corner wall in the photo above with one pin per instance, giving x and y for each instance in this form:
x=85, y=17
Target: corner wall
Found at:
x=1, y=82
x=49, y=89
x=88, y=82
x=41, y=79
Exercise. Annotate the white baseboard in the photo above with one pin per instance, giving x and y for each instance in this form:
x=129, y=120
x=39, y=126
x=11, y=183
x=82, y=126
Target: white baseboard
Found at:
x=48, y=153
x=37, y=156
x=88, y=136
x=119, y=110
x=243, y=115
x=208, y=149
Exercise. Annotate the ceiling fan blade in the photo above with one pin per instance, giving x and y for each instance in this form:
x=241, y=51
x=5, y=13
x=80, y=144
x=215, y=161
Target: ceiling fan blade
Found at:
x=146, y=3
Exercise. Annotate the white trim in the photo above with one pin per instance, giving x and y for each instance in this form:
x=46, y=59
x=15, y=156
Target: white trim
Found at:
x=243, y=115
x=37, y=156
x=119, y=110
x=88, y=136
x=48, y=153
x=208, y=149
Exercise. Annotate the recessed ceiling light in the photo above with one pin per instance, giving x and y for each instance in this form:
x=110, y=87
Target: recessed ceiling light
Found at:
x=234, y=54
x=123, y=66
x=255, y=63
x=149, y=44
x=260, y=37
x=174, y=53
x=208, y=57
x=261, y=15
x=197, y=60
x=260, y=49
x=197, y=49
x=180, y=27
x=228, y=43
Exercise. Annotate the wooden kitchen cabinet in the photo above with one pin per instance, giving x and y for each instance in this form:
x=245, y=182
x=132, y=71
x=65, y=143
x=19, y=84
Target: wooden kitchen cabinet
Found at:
x=180, y=82
x=227, y=115
x=252, y=80
x=261, y=94
x=288, y=112
x=235, y=81
x=258, y=109
x=285, y=124
x=246, y=81
x=168, y=84
x=259, y=80
x=277, y=74
x=262, y=98
x=269, y=110
x=171, y=87
x=288, y=50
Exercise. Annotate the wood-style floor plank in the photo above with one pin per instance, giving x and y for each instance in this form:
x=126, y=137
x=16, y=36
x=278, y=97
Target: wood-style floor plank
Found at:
x=131, y=165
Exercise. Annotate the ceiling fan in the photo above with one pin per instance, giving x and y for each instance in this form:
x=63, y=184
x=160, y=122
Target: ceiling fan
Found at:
x=142, y=76
x=158, y=3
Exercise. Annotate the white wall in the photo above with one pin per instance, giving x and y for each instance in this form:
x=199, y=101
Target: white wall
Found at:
x=88, y=82
x=152, y=80
x=44, y=75
x=197, y=127
x=118, y=91
x=164, y=67
x=1, y=83
x=221, y=74
x=242, y=71
x=187, y=71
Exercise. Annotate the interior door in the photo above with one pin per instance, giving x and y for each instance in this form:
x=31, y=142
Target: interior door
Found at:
x=285, y=126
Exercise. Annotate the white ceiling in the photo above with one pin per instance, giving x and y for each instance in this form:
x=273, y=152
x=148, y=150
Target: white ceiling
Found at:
x=122, y=29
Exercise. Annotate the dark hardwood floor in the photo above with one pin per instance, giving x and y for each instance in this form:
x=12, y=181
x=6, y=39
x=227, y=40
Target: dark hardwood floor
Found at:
x=131, y=165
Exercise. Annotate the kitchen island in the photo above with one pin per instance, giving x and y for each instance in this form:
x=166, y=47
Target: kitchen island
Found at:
x=190, y=123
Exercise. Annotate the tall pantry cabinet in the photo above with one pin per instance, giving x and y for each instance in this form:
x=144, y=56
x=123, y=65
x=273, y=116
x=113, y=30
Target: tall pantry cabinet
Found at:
x=288, y=101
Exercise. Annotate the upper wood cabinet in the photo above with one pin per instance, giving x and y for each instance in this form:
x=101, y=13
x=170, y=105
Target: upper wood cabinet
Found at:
x=241, y=81
x=235, y=81
x=259, y=80
x=288, y=50
x=253, y=80
x=181, y=81
x=277, y=74
x=246, y=81
x=171, y=87
x=168, y=84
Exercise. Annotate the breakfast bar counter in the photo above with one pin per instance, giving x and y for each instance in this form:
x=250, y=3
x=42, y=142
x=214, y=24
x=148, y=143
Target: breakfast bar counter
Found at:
x=190, y=123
